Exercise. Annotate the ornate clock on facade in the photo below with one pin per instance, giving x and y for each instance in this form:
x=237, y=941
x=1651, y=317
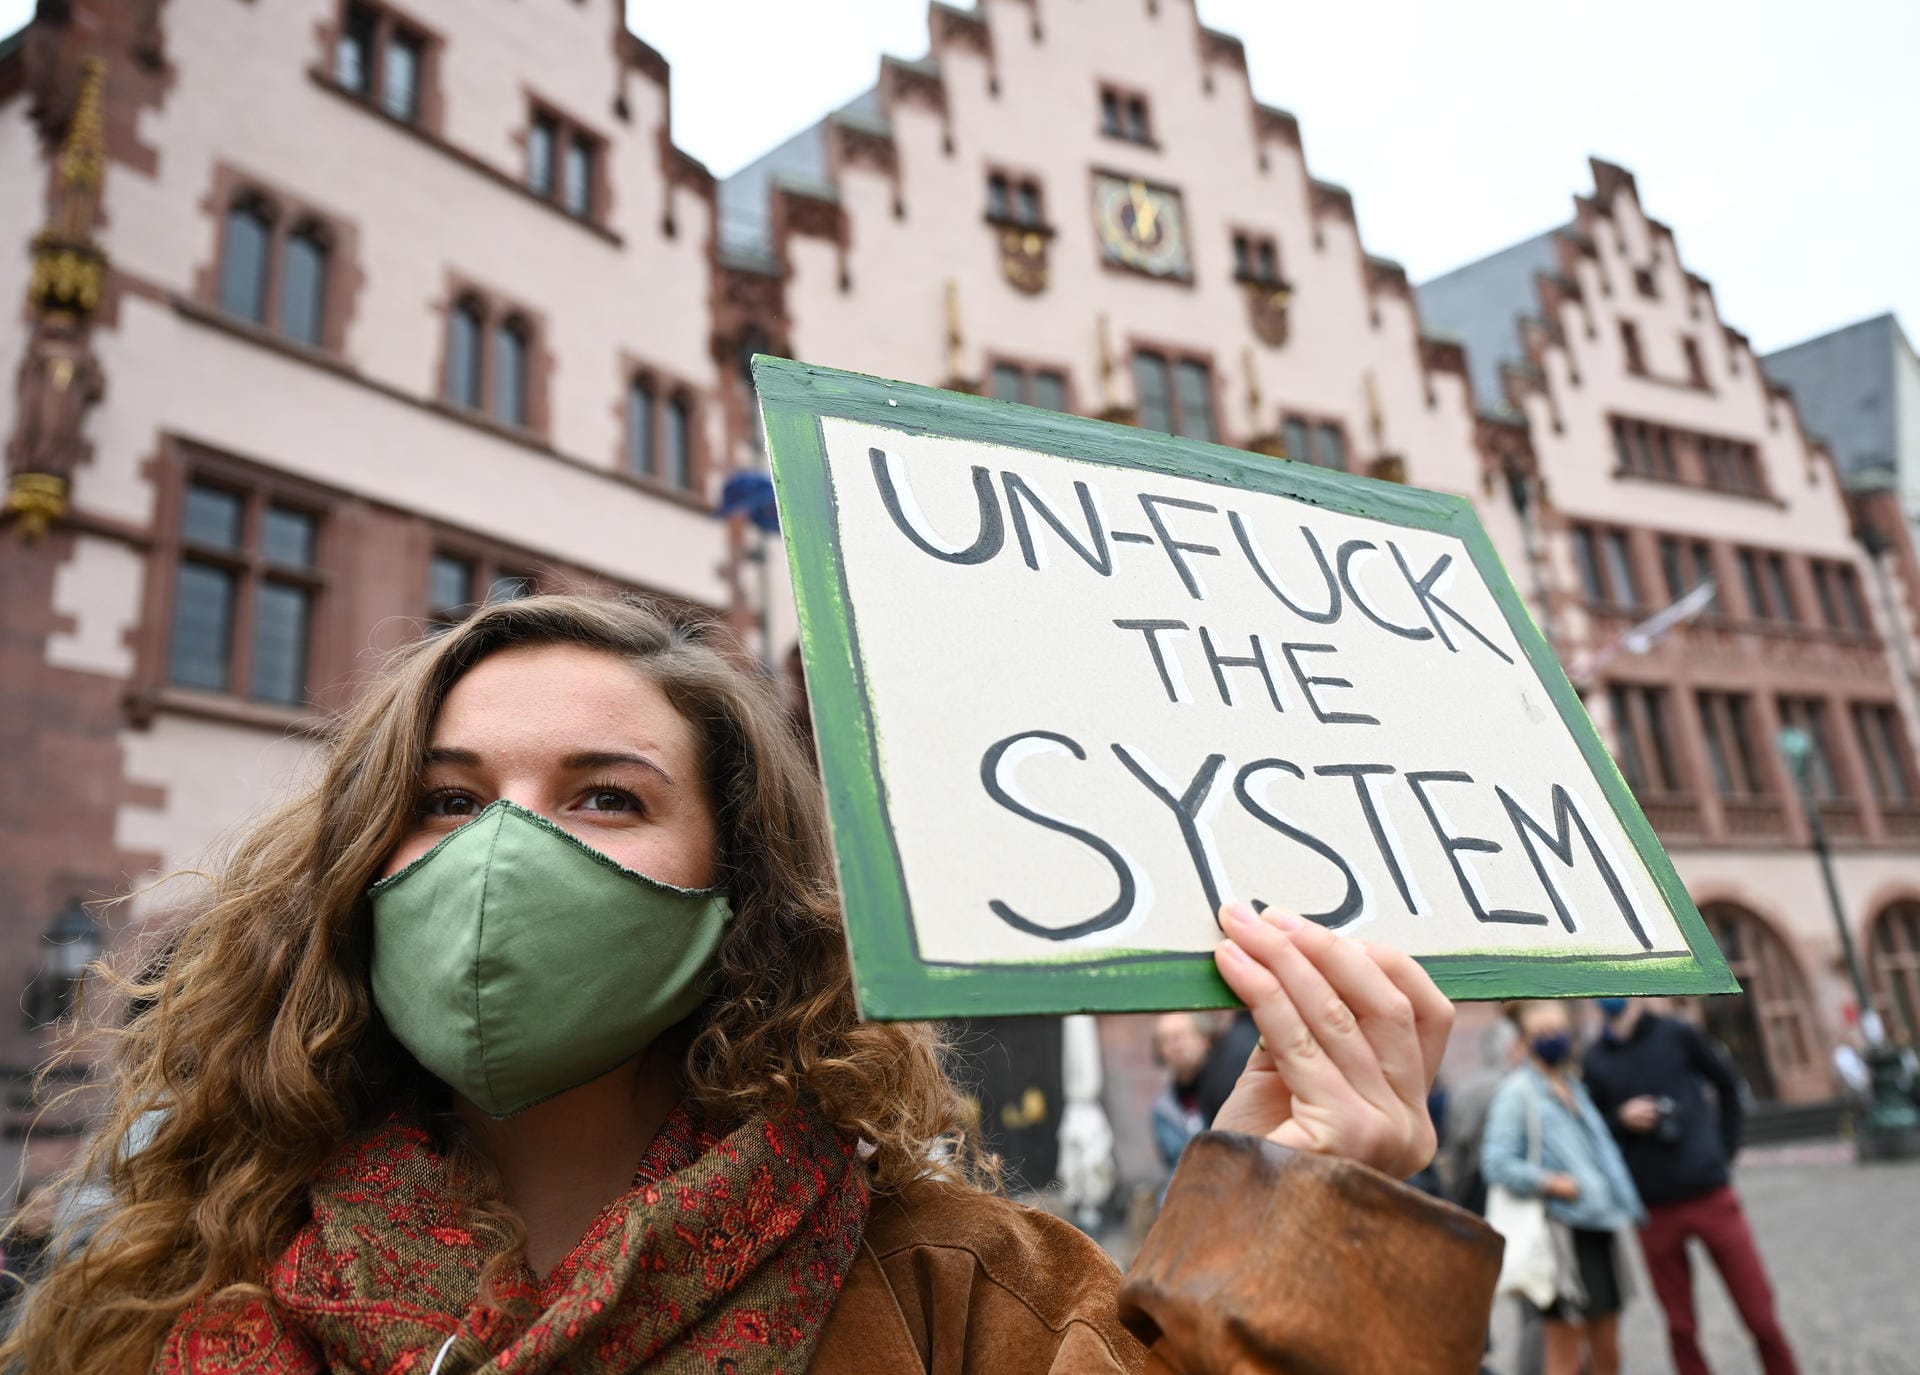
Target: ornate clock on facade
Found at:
x=1141, y=226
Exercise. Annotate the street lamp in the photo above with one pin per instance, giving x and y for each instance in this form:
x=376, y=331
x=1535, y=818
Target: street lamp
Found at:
x=1892, y=1128
x=71, y=943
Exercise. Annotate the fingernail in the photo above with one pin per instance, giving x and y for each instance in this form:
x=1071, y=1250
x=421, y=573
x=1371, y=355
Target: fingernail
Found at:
x=1237, y=914
x=1282, y=918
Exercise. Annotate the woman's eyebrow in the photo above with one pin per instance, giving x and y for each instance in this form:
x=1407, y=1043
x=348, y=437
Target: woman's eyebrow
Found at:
x=600, y=759
x=445, y=754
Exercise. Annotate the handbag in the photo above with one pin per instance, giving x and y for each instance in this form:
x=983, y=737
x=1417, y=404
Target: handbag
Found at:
x=1529, y=1266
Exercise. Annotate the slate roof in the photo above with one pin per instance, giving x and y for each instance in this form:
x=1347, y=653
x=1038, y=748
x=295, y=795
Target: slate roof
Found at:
x=1482, y=305
x=1844, y=382
x=746, y=197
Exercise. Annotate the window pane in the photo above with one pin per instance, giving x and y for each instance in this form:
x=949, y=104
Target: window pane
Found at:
x=1242, y=256
x=463, y=355
x=400, y=96
x=679, y=443
x=1586, y=557
x=1823, y=594
x=1625, y=588
x=199, y=648
x=243, y=274
x=1196, y=400
x=1269, y=262
x=1294, y=440
x=1750, y=577
x=1826, y=781
x=1109, y=113
x=540, y=143
x=1626, y=739
x=449, y=583
x=1331, y=452
x=1666, y=774
x=1150, y=380
x=352, y=56
x=997, y=203
x=1717, y=753
x=303, y=293
x=640, y=429
x=280, y=615
x=1780, y=589
x=287, y=538
x=1852, y=608
x=1050, y=391
x=1137, y=121
x=211, y=517
x=1009, y=382
x=510, y=375
x=577, y=193
x=1671, y=568
x=1746, y=772
x=1027, y=202
x=1703, y=571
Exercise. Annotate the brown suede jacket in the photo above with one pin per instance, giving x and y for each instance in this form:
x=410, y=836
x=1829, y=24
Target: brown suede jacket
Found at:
x=1263, y=1259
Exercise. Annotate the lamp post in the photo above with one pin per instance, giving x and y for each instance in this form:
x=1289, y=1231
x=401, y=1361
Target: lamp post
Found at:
x=1892, y=1129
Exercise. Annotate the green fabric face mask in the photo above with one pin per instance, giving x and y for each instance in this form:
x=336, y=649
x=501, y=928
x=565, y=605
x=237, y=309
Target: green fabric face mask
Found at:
x=516, y=962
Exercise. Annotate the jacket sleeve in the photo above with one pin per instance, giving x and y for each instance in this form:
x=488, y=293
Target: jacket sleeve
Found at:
x=1727, y=1087
x=1503, y=1151
x=1271, y=1260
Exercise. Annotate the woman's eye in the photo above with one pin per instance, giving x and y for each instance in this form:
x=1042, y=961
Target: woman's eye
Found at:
x=612, y=800
x=448, y=804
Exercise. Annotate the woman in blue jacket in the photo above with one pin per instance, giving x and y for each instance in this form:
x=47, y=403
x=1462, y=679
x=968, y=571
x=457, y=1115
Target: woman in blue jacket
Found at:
x=1545, y=1139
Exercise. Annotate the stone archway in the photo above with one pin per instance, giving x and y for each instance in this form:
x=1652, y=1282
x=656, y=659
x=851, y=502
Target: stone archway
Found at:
x=1769, y=1027
x=1893, y=967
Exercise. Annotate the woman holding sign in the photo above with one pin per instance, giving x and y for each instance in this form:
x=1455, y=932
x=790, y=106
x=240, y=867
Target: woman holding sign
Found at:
x=525, y=1041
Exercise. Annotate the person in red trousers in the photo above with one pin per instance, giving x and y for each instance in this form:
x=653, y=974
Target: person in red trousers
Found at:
x=1648, y=1076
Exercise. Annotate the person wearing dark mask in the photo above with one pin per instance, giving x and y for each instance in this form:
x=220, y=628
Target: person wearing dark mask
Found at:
x=1648, y=1075
x=1545, y=1139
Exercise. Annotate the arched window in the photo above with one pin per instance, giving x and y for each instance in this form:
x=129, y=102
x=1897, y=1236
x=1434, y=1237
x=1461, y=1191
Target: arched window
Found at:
x=641, y=458
x=510, y=373
x=464, y=328
x=303, y=285
x=679, y=443
x=1767, y=1028
x=1893, y=948
x=243, y=267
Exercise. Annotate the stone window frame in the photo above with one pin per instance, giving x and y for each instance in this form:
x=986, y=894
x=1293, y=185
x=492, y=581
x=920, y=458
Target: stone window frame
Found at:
x=1248, y=265
x=1028, y=368
x=569, y=131
x=489, y=564
x=496, y=312
x=1897, y=785
x=1690, y=458
x=1734, y=717
x=389, y=20
x=1633, y=352
x=1815, y=713
x=181, y=464
x=1839, y=597
x=287, y=215
x=1315, y=427
x=1647, y=732
x=1131, y=109
x=1011, y=182
x=667, y=389
x=1174, y=355
x=1591, y=543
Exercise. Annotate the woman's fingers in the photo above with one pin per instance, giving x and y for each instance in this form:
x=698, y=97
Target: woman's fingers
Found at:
x=1289, y=1048
x=1353, y=1010
x=1433, y=1013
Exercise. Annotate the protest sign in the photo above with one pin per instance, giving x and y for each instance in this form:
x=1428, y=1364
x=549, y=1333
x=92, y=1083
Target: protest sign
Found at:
x=1074, y=685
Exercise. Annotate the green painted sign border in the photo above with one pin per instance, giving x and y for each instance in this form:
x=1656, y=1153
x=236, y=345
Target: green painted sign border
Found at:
x=892, y=980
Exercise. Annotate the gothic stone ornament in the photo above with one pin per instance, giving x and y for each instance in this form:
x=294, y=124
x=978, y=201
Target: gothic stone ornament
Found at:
x=1141, y=226
x=1023, y=257
x=1267, y=304
x=36, y=501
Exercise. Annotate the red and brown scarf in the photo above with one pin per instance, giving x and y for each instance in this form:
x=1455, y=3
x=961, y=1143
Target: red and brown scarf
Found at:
x=726, y=1256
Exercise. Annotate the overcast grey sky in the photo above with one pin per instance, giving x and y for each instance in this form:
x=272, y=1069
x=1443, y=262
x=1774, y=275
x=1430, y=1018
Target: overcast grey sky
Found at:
x=1775, y=136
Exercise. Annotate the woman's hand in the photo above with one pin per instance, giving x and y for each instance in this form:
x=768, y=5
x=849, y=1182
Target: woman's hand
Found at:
x=1352, y=1036
x=1563, y=1186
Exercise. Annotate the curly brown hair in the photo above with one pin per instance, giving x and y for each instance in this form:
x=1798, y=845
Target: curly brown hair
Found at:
x=259, y=1048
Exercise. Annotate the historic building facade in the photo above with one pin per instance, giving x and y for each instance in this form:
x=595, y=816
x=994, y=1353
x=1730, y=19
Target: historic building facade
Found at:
x=1658, y=466
x=331, y=320
x=1083, y=207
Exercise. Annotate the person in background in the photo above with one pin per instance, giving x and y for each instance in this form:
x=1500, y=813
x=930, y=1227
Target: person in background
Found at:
x=1648, y=1075
x=1181, y=1041
x=1546, y=1139
x=1501, y=1050
x=1231, y=1050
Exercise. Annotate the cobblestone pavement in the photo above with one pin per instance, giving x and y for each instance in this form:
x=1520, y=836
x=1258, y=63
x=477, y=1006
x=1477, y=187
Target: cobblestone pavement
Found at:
x=1842, y=1242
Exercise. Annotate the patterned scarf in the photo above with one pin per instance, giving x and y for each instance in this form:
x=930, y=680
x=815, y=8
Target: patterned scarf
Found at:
x=726, y=1256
